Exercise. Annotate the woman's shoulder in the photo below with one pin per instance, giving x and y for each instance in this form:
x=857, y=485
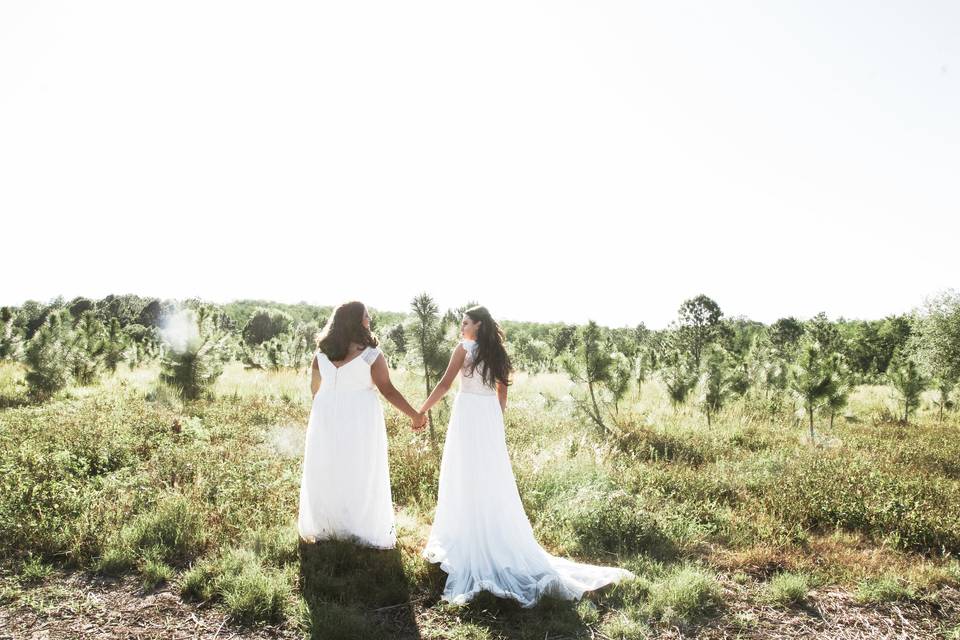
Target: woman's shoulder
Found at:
x=370, y=354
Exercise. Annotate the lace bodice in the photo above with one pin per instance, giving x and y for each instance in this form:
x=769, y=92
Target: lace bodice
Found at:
x=473, y=383
x=352, y=376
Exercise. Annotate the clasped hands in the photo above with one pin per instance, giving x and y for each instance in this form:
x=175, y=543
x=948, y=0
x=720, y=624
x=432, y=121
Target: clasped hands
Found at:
x=419, y=421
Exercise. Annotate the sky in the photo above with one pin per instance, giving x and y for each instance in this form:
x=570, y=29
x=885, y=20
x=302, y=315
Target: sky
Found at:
x=556, y=161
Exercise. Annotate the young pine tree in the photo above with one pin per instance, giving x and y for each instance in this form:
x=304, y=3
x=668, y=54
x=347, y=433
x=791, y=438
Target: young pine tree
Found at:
x=837, y=396
x=428, y=333
x=46, y=357
x=605, y=374
x=717, y=381
x=811, y=379
x=116, y=346
x=908, y=380
x=192, y=359
x=87, y=348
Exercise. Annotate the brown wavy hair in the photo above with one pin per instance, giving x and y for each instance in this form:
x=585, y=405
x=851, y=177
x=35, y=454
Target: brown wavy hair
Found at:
x=490, y=350
x=343, y=327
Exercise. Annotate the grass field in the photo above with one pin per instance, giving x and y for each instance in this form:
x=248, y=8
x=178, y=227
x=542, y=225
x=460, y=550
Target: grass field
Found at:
x=744, y=529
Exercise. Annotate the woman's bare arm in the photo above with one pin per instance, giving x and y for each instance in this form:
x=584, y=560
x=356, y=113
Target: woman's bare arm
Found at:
x=381, y=377
x=314, y=377
x=502, y=395
x=453, y=368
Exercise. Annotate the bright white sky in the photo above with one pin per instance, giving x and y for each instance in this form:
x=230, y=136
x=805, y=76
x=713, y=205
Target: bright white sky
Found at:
x=553, y=160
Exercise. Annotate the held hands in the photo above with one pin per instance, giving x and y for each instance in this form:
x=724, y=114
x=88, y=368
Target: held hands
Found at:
x=419, y=421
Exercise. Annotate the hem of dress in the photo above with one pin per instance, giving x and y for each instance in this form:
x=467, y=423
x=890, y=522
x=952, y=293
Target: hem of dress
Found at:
x=552, y=586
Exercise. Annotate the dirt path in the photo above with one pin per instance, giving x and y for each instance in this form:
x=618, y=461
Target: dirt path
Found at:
x=76, y=605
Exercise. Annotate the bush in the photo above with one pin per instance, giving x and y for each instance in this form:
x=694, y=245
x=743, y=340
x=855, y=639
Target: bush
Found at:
x=884, y=589
x=593, y=521
x=682, y=596
x=155, y=572
x=787, y=588
x=173, y=531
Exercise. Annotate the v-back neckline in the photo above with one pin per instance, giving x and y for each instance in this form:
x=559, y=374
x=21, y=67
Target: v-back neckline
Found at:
x=356, y=357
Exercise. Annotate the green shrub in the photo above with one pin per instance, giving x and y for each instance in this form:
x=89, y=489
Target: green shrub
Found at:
x=884, y=589
x=199, y=581
x=593, y=522
x=34, y=570
x=172, y=531
x=682, y=596
x=155, y=572
x=787, y=588
x=254, y=594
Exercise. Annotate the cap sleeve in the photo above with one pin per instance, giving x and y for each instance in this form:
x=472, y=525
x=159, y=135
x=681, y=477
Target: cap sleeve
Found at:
x=371, y=354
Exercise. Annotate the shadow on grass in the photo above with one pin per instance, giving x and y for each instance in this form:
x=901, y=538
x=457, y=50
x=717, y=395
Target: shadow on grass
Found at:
x=356, y=592
x=489, y=616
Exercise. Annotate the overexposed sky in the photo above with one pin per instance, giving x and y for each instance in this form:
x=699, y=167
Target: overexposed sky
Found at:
x=553, y=160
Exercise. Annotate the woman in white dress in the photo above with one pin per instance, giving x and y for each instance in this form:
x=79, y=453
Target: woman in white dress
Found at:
x=345, y=487
x=481, y=536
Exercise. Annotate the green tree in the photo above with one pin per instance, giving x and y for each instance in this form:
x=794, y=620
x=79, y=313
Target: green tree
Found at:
x=46, y=356
x=811, y=379
x=397, y=346
x=909, y=381
x=9, y=338
x=605, y=374
x=115, y=345
x=717, y=381
x=192, y=359
x=839, y=393
x=643, y=366
x=679, y=374
x=144, y=344
x=428, y=331
x=264, y=325
x=563, y=339
x=944, y=389
x=936, y=342
x=699, y=325
x=785, y=335
x=303, y=343
x=87, y=349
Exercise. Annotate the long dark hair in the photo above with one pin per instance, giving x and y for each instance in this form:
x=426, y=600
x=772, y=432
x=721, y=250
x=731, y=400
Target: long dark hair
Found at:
x=343, y=327
x=490, y=350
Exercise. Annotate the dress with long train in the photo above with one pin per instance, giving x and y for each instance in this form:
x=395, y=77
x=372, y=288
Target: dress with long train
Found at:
x=481, y=535
x=345, y=487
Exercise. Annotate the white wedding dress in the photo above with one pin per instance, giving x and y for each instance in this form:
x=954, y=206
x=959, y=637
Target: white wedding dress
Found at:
x=345, y=487
x=481, y=536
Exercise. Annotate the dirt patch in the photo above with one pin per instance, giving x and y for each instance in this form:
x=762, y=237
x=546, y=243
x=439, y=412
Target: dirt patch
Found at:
x=75, y=605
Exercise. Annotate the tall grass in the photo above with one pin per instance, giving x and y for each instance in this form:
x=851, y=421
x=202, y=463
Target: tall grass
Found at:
x=124, y=477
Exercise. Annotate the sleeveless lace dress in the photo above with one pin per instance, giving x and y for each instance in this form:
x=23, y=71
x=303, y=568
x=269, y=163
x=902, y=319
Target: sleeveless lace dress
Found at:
x=481, y=535
x=345, y=487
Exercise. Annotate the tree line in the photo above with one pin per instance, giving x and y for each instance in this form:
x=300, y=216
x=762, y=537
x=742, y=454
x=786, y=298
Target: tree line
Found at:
x=703, y=358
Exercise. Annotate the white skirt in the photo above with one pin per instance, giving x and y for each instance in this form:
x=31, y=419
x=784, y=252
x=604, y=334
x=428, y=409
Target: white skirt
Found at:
x=345, y=487
x=481, y=535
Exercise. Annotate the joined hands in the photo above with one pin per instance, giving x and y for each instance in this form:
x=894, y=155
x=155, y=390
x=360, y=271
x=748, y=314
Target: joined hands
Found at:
x=419, y=421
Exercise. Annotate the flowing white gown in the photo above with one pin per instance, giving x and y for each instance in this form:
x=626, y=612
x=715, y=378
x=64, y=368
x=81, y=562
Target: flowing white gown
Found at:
x=481, y=536
x=345, y=488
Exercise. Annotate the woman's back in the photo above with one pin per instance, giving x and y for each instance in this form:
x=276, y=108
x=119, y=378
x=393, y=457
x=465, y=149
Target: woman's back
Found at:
x=348, y=376
x=471, y=380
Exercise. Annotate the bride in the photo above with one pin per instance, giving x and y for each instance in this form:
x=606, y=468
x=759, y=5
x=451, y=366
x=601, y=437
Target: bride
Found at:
x=345, y=487
x=481, y=536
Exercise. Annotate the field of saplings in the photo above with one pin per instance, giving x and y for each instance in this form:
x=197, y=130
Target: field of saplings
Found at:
x=799, y=479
